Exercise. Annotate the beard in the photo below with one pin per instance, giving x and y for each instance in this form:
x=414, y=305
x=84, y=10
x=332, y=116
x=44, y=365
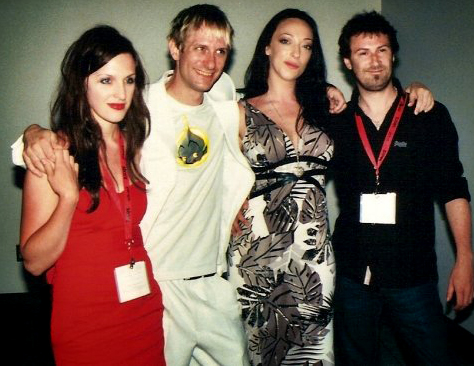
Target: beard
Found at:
x=374, y=82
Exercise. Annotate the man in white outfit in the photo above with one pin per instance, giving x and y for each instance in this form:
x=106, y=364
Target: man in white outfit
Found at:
x=198, y=181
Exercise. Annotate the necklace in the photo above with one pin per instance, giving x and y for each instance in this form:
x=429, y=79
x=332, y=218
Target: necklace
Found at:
x=298, y=170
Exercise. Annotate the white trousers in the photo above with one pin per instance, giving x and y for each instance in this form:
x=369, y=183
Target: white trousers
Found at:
x=202, y=324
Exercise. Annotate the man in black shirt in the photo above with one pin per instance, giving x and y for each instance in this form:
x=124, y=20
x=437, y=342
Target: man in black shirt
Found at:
x=390, y=167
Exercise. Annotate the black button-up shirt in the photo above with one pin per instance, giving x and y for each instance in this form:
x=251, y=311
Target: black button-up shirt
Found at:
x=422, y=166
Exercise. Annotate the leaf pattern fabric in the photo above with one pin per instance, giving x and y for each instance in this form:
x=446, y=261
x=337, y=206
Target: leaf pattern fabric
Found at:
x=283, y=263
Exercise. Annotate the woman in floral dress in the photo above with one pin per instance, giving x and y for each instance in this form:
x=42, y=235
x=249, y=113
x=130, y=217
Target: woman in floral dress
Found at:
x=282, y=262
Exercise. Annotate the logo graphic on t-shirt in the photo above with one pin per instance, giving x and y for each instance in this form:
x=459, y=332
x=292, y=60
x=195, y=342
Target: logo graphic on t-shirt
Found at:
x=193, y=145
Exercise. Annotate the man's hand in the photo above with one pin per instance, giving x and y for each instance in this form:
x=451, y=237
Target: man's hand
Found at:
x=39, y=145
x=420, y=95
x=461, y=283
x=337, y=102
x=240, y=220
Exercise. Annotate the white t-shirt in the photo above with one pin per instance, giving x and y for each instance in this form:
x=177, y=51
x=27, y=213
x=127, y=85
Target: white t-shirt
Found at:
x=189, y=222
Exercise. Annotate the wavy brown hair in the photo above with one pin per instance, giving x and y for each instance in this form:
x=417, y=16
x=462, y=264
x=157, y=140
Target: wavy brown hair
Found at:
x=71, y=115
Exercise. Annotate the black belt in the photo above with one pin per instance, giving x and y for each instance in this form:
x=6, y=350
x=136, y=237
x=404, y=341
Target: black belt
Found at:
x=224, y=276
x=286, y=178
x=268, y=172
x=197, y=277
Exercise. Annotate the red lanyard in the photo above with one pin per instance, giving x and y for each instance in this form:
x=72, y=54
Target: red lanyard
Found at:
x=124, y=205
x=388, y=138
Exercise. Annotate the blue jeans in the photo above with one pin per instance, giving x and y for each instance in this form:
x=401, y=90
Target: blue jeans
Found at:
x=415, y=313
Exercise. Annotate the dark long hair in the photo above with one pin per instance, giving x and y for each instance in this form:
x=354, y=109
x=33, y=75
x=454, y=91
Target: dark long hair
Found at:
x=71, y=115
x=310, y=89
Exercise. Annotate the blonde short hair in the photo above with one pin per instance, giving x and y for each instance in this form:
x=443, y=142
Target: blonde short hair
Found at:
x=197, y=16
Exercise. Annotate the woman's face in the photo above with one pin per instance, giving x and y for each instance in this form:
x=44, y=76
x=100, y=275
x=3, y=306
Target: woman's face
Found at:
x=290, y=49
x=110, y=89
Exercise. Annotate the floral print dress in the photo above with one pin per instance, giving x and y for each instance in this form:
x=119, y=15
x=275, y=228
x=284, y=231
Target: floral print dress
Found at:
x=283, y=263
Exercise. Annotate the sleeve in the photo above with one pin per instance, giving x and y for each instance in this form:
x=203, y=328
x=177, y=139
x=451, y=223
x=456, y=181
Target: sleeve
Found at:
x=448, y=179
x=17, y=152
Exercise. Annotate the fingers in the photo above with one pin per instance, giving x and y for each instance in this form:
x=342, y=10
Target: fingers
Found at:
x=35, y=155
x=337, y=105
x=420, y=97
x=48, y=167
x=332, y=105
x=337, y=102
x=32, y=166
x=412, y=99
x=41, y=142
x=236, y=230
x=61, y=159
x=60, y=156
x=460, y=289
x=63, y=175
x=58, y=142
x=463, y=299
x=450, y=292
x=64, y=159
x=47, y=149
x=461, y=302
x=430, y=104
x=72, y=163
x=423, y=103
x=338, y=108
x=240, y=220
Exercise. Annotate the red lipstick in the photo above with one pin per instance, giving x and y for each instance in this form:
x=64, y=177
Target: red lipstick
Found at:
x=117, y=106
x=291, y=65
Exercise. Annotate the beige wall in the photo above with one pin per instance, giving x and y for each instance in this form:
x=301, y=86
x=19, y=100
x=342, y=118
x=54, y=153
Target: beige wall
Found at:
x=34, y=38
x=437, y=47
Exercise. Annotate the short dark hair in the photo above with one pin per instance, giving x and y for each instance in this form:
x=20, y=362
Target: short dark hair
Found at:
x=71, y=114
x=366, y=23
x=196, y=16
x=311, y=85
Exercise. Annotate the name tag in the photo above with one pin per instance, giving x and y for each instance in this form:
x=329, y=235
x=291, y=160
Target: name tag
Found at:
x=378, y=208
x=132, y=282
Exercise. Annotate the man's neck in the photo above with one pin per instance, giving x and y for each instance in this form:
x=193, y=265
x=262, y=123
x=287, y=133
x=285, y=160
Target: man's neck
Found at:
x=177, y=90
x=376, y=104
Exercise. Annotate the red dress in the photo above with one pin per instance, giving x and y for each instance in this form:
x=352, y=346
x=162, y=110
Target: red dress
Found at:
x=89, y=326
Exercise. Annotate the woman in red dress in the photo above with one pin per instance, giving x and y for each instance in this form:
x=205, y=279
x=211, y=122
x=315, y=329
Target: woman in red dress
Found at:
x=80, y=219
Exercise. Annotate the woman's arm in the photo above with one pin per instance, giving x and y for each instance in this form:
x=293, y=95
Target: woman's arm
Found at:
x=49, y=203
x=242, y=124
x=337, y=102
x=420, y=95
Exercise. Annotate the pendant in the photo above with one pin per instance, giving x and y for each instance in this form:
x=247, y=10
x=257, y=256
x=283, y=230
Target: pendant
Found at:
x=298, y=171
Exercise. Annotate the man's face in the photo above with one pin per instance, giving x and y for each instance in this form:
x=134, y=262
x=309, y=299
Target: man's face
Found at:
x=200, y=60
x=371, y=60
